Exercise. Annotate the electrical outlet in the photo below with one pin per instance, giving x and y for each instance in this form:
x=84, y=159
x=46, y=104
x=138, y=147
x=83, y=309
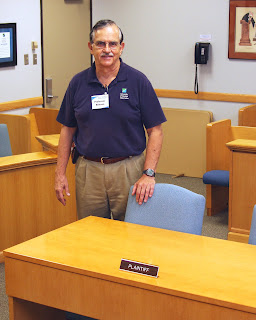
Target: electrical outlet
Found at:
x=26, y=60
x=34, y=58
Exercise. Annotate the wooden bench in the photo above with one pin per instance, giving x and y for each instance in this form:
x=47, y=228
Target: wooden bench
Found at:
x=24, y=128
x=247, y=116
x=218, y=157
x=46, y=120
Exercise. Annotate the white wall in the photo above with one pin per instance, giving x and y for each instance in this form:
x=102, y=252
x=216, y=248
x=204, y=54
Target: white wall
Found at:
x=160, y=37
x=22, y=81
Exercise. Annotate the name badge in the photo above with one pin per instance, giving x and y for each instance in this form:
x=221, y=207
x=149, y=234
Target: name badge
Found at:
x=100, y=101
x=138, y=267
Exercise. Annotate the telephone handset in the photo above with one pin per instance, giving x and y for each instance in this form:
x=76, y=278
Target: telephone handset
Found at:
x=201, y=52
x=201, y=57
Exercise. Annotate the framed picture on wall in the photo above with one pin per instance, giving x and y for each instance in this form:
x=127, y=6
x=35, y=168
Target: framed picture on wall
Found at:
x=8, y=45
x=242, y=29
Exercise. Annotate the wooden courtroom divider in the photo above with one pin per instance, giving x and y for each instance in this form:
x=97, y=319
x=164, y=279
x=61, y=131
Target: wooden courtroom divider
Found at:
x=184, y=146
x=247, y=116
x=24, y=128
x=218, y=157
x=46, y=120
x=22, y=131
x=28, y=204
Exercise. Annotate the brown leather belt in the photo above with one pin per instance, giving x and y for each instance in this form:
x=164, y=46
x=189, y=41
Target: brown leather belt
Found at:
x=105, y=160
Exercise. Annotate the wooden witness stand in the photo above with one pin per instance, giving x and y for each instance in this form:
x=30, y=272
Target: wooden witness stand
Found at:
x=76, y=268
x=242, y=193
x=29, y=206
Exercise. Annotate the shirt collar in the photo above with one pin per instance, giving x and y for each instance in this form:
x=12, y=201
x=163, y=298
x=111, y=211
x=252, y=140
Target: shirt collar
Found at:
x=121, y=76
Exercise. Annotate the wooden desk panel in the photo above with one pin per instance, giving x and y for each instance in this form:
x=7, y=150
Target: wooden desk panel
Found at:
x=184, y=144
x=76, y=268
x=242, y=192
x=29, y=206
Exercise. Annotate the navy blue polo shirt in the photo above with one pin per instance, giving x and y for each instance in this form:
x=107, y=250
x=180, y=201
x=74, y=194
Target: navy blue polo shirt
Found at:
x=116, y=131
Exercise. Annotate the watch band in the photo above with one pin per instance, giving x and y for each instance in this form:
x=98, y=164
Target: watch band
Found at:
x=149, y=172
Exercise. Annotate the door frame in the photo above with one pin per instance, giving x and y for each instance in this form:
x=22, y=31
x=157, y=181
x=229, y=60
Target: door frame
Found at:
x=42, y=44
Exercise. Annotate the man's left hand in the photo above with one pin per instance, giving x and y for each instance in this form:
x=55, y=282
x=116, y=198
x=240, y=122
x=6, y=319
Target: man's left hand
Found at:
x=144, y=188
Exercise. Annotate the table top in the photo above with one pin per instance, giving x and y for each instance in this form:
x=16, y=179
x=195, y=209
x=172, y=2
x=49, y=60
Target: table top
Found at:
x=196, y=267
x=50, y=141
x=242, y=145
x=27, y=160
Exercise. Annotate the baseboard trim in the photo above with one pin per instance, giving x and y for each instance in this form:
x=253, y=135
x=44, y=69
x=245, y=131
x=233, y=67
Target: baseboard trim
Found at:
x=238, y=237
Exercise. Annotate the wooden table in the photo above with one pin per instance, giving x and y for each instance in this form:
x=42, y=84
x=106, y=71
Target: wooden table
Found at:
x=242, y=191
x=76, y=268
x=49, y=142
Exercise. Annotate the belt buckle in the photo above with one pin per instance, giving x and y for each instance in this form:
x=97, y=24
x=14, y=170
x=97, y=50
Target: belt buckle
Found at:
x=102, y=159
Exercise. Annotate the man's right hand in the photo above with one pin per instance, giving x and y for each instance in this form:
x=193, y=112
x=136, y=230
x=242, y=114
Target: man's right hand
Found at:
x=61, y=185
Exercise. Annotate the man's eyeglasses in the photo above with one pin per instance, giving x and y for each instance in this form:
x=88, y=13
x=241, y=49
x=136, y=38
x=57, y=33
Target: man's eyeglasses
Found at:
x=102, y=45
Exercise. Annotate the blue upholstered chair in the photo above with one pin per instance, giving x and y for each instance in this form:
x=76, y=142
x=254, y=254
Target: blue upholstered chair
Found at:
x=5, y=145
x=171, y=207
x=217, y=178
x=252, y=236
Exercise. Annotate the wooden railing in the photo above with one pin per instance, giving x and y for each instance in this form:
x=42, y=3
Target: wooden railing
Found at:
x=161, y=93
x=209, y=96
x=23, y=103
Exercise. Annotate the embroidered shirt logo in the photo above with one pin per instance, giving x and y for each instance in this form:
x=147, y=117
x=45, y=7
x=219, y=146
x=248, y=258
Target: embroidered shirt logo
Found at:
x=124, y=95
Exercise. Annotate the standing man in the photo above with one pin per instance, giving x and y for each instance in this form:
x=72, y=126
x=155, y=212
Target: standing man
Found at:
x=104, y=110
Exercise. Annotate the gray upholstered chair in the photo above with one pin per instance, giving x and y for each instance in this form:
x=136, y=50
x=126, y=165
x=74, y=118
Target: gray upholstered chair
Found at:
x=252, y=236
x=5, y=145
x=171, y=207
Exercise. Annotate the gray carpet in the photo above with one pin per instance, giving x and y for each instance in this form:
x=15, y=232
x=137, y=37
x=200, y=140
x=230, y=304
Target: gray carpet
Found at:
x=4, y=314
x=216, y=226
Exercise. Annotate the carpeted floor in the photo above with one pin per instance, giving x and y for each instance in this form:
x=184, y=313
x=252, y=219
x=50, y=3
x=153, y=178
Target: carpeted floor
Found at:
x=4, y=314
x=216, y=227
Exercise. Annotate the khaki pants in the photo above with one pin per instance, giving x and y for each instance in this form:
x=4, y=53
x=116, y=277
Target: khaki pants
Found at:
x=102, y=189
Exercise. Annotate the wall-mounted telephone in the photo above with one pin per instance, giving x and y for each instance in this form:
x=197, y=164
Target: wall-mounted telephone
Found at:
x=201, y=57
x=201, y=52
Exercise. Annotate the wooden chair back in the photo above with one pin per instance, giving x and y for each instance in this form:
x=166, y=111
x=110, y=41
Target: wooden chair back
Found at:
x=217, y=154
x=46, y=120
x=247, y=116
x=218, y=134
x=19, y=132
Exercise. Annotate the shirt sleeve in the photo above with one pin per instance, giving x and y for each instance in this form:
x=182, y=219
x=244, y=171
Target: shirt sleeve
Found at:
x=151, y=110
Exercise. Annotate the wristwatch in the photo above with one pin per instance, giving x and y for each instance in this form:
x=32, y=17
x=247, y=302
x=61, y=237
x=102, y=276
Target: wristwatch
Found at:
x=149, y=172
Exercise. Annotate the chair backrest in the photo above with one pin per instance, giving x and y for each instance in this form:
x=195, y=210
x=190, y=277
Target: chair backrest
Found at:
x=19, y=132
x=46, y=120
x=5, y=145
x=218, y=133
x=252, y=236
x=247, y=116
x=171, y=207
